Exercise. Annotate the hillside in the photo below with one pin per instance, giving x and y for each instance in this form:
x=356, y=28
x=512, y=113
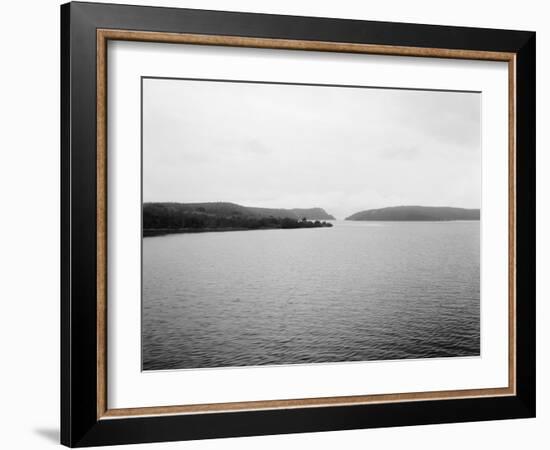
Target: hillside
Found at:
x=313, y=214
x=294, y=213
x=162, y=218
x=416, y=213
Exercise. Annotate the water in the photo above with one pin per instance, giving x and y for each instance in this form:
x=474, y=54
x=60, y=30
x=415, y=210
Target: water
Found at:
x=358, y=291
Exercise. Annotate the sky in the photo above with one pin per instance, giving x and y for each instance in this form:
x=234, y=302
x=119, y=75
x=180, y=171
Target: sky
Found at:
x=344, y=149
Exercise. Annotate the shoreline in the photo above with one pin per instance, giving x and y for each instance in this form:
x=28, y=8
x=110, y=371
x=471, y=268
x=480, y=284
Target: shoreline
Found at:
x=152, y=232
x=163, y=231
x=412, y=220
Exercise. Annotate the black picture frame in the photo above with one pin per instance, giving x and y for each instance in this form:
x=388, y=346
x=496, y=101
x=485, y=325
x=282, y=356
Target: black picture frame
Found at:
x=80, y=425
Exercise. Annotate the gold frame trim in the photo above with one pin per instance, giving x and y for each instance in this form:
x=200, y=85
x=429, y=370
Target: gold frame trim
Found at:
x=104, y=35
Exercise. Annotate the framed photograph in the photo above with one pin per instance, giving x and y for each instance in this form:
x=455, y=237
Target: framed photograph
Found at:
x=276, y=224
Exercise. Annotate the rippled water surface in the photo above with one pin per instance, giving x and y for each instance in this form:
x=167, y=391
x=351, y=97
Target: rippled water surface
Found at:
x=357, y=291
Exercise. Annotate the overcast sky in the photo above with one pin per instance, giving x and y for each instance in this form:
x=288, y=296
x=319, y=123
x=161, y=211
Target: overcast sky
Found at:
x=288, y=146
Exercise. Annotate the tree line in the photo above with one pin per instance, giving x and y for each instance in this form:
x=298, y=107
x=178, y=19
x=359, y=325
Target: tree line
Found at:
x=159, y=217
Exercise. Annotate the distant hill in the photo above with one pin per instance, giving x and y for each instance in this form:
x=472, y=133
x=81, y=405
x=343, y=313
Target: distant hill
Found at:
x=416, y=213
x=227, y=208
x=294, y=213
x=162, y=218
x=313, y=214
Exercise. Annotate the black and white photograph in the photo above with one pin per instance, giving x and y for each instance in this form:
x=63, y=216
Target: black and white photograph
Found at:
x=300, y=224
x=278, y=224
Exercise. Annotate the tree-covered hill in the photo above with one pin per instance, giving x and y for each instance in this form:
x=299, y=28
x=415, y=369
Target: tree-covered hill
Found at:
x=162, y=218
x=416, y=213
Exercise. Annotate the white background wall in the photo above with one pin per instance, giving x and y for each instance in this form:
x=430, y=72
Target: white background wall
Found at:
x=29, y=233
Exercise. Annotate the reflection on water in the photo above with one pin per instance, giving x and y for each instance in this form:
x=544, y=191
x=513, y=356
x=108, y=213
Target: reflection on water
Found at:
x=358, y=291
